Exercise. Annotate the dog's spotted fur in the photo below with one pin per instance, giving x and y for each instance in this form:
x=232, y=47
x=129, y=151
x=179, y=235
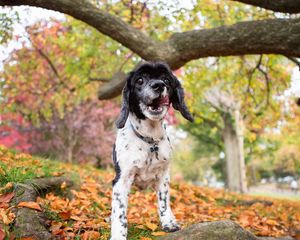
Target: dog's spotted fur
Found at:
x=142, y=150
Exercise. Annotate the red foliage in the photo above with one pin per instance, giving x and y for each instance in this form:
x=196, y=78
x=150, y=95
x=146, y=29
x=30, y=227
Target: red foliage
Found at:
x=13, y=133
x=85, y=134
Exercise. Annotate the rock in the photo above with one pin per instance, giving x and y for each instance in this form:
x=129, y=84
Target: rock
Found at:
x=219, y=230
x=274, y=238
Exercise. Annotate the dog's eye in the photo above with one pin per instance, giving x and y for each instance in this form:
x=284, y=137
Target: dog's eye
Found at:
x=166, y=81
x=140, y=81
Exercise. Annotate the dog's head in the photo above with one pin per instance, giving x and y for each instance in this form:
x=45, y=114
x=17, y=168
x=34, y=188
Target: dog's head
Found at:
x=149, y=91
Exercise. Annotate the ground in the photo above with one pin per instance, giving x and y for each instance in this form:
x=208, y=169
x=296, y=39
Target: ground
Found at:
x=83, y=212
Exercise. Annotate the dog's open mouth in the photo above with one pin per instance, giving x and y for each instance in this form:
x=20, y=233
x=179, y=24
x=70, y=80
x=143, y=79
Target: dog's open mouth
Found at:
x=156, y=107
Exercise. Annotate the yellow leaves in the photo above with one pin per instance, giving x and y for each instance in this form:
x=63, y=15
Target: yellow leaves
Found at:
x=151, y=226
x=31, y=205
x=63, y=185
x=159, y=233
x=6, y=216
x=272, y=222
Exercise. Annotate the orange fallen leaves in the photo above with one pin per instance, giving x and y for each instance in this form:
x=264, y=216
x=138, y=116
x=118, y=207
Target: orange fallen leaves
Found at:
x=159, y=233
x=89, y=235
x=31, y=205
x=87, y=213
x=5, y=198
x=6, y=216
x=151, y=226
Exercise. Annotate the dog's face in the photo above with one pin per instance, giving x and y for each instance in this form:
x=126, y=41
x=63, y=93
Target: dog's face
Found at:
x=149, y=91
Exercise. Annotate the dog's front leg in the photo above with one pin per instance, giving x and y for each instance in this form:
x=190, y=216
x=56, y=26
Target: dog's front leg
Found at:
x=120, y=193
x=167, y=219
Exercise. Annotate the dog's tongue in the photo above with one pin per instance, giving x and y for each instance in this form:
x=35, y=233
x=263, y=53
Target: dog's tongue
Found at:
x=164, y=101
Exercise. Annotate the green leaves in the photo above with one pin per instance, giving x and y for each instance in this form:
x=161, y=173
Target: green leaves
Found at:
x=7, y=19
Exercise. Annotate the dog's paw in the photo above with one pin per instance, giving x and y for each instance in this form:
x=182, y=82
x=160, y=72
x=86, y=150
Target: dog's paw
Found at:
x=172, y=227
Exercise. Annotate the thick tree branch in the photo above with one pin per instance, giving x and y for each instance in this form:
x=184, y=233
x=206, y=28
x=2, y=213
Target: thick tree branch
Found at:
x=114, y=87
x=284, y=6
x=278, y=36
x=104, y=22
x=272, y=36
x=253, y=37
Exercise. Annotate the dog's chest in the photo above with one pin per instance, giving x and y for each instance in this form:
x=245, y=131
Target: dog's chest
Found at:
x=147, y=162
x=152, y=166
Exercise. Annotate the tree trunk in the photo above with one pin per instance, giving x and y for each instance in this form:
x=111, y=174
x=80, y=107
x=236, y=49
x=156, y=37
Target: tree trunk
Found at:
x=234, y=151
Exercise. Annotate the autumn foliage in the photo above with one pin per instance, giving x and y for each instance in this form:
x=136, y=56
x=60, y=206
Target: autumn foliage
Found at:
x=87, y=213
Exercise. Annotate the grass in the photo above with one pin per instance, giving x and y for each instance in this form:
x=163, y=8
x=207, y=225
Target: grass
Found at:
x=295, y=197
x=135, y=233
x=18, y=167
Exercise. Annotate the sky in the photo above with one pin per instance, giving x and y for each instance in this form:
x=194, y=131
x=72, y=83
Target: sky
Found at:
x=30, y=15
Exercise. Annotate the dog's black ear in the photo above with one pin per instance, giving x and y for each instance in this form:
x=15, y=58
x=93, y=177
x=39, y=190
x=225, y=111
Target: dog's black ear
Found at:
x=178, y=102
x=125, y=103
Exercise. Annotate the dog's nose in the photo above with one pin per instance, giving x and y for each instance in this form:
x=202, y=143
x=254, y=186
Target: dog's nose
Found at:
x=158, y=86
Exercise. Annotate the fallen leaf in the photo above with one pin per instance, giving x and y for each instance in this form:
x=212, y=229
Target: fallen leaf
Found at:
x=272, y=222
x=159, y=233
x=32, y=205
x=89, y=235
x=4, y=205
x=6, y=216
x=151, y=226
x=65, y=215
x=57, y=174
x=55, y=226
x=6, y=187
x=145, y=238
x=5, y=198
x=63, y=185
x=27, y=238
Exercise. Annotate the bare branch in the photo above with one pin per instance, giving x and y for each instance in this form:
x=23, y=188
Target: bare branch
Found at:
x=45, y=57
x=284, y=6
x=267, y=80
x=250, y=77
x=208, y=121
x=99, y=79
x=294, y=60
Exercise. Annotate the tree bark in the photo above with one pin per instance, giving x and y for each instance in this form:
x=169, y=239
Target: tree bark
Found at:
x=284, y=6
x=29, y=222
x=234, y=152
x=233, y=137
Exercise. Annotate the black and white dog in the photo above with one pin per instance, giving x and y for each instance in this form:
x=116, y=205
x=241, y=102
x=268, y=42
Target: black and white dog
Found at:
x=142, y=150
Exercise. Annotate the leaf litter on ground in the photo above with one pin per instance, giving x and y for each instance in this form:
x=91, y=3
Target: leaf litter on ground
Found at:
x=86, y=214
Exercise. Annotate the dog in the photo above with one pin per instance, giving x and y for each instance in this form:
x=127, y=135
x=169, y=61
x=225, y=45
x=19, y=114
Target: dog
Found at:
x=142, y=149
